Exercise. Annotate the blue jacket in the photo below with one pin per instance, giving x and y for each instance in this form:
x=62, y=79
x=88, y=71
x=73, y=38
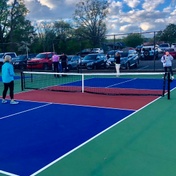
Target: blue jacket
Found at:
x=7, y=72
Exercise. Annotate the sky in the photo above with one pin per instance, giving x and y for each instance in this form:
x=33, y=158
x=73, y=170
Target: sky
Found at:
x=125, y=16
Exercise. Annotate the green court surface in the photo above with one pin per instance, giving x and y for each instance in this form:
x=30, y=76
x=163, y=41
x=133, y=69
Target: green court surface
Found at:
x=142, y=145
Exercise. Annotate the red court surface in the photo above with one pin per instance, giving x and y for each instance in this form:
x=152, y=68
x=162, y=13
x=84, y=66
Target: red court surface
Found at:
x=86, y=99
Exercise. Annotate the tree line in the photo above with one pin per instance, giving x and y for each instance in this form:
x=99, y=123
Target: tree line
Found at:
x=88, y=30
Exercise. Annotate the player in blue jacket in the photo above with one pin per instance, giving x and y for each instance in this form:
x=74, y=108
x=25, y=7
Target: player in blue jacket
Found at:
x=8, y=80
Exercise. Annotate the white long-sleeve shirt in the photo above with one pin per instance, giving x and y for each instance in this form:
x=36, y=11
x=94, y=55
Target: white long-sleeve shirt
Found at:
x=167, y=60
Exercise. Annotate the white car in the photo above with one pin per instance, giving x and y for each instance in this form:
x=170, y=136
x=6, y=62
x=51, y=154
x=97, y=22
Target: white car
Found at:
x=164, y=46
x=173, y=45
x=2, y=55
x=149, y=51
x=97, y=50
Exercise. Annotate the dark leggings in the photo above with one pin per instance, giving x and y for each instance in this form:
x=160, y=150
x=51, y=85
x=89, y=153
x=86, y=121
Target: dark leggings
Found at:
x=170, y=70
x=9, y=85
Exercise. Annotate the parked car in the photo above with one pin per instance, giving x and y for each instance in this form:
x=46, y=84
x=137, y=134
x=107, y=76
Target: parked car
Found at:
x=164, y=46
x=148, y=52
x=128, y=59
x=138, y=48
x=41, y=61
x=73, y=62
x=20, y=62
x=93, y=61
x=173, y=45
x=2, y=55
x=87, y=51
x=171, y=51
x=111, y=53
x=97, y=50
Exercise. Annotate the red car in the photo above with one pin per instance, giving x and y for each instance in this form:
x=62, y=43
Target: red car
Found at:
x=171, y=51
x=41, y=61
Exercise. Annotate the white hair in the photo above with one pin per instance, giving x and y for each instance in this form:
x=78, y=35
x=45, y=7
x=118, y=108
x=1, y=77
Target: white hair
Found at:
x=7, y=58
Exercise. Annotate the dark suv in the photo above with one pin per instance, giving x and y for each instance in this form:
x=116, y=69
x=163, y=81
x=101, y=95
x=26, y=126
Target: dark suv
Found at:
x=93, y=61
x=20, y=62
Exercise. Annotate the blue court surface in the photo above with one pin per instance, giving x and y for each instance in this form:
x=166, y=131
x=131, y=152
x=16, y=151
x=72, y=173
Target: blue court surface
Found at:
x=136, y=83
x=34, y=134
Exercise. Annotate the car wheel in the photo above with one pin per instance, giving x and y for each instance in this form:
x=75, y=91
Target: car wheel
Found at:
x=127, y=65
x=146, y=54
x=69, y=67
x=22, y=67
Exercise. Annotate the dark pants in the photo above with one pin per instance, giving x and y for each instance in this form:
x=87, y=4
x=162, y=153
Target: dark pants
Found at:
x=64, y=66
x=56, y=68
x=6, y=87
x=166, y=70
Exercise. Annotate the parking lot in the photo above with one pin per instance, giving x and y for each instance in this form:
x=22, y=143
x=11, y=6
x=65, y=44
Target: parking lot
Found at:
x=144, y=66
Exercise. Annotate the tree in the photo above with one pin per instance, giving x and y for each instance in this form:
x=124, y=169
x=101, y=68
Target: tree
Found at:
x=133, y=40
x=14, y=27
x=168, y=35
x=3, y=22
x=63, y=34
x=89, y=17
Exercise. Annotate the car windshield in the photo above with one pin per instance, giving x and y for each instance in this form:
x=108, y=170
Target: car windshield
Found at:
x=124, y=54
x=75, y=58
x=70, y=58
x=11, y=54
x=112, y=52
x=41, y=56
x=95, y=49
x=21, y=57
x=164, y=45
x=86, y=50
x=90, y=57
x=1, y=55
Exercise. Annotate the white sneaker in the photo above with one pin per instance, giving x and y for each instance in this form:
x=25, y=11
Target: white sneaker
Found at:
x=172, y=77
x=13, y=102
x=4, y=101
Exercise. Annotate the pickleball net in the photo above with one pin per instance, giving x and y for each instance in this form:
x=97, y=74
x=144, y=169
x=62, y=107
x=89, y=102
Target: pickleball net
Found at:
x=145, y=84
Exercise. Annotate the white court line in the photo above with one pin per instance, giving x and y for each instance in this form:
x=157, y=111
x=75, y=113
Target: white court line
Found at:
x=76, y=148
x=7, y=173
x=80, y=105
x=21, y=112
x=121, y=82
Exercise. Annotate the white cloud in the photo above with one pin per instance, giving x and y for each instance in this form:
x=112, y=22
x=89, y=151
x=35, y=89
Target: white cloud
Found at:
x=150, y=5
x=47, y=3
x=149, y=17
x=132, y=3
x=115, y=7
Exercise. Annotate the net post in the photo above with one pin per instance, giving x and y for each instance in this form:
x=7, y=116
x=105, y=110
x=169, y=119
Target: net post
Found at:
x=164, y=84
x=82, y=83
x=22, y=80
x=168, y=86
